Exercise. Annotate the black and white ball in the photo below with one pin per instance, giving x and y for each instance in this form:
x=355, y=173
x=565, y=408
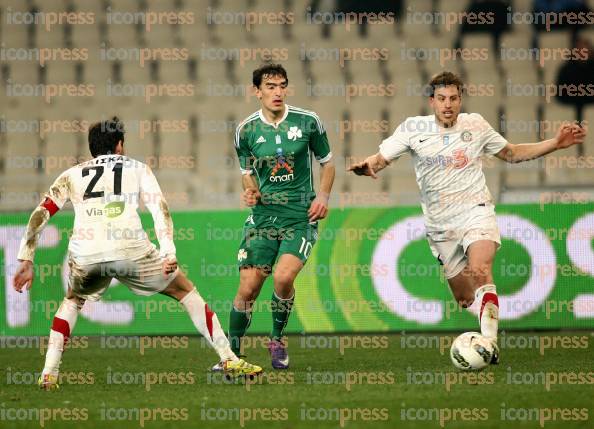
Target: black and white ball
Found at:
x=471, y=351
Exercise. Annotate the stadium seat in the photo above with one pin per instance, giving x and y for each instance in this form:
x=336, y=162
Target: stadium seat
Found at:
x=221, y=88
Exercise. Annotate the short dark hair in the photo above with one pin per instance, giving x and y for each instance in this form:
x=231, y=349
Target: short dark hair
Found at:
x=443, y=79
x=105, y=135
x=268, y=70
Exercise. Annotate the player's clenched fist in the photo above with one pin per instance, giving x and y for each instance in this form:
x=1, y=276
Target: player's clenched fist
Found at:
x=251, y=197
x=23, y=276
x=570, y=134
x=169, y=265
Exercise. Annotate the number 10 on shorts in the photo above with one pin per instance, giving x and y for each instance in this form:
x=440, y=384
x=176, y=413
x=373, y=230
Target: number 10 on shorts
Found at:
x=305, y=248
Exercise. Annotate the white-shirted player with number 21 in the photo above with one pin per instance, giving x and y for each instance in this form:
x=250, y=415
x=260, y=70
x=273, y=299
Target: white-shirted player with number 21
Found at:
x=108, y=241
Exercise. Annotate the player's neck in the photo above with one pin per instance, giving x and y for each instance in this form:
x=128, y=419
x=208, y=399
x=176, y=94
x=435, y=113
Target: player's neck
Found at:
x=274, y=117
x=446, y=125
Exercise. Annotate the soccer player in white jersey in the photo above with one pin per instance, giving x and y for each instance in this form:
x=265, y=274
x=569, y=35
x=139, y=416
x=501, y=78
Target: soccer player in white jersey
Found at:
x=446, y=150
x=109, y=242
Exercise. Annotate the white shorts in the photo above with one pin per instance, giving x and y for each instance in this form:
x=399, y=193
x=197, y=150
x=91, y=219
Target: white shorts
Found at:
x=449, y=247
x=143, y=276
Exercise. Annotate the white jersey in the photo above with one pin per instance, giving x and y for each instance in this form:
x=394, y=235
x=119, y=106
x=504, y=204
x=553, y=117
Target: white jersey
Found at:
x=106, y=192
x=447, y=164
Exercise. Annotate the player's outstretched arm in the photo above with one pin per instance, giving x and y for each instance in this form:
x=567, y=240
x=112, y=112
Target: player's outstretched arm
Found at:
x=568, y=135
x=319, y=206
x=369, y=166
x=56, y=197
x=24, y=275
x=251, y=192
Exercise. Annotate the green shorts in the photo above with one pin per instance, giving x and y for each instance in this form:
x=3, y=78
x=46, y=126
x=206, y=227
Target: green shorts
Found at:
x=265, y=238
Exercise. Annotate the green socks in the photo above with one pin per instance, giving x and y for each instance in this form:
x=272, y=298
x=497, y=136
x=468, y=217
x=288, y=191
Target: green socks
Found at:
x=239, y=321
x=281, y=309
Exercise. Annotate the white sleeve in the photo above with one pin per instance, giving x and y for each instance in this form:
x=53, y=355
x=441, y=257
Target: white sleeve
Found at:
x=60, y=191
x=37, y=222
x=492, y=142
x=54, y=200
x=154, y=201
x=397, y=144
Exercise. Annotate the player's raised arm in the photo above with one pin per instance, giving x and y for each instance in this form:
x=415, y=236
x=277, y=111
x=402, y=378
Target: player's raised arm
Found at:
x=568, y=135
x=54, y=200
x=154, y=201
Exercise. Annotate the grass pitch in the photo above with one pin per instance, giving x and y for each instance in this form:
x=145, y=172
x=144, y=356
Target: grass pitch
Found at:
x=372, y=381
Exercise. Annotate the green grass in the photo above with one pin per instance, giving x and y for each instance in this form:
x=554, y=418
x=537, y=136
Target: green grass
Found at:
x=299, y=398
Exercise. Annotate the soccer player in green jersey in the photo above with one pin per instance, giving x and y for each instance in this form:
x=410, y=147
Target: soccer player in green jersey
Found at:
x=276, y=146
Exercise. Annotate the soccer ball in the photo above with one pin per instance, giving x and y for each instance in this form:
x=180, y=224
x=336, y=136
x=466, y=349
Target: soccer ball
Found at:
x=471, y=351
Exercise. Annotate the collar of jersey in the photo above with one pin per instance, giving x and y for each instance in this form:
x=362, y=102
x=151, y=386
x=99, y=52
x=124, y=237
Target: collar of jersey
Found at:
x=451, y=130
x=108, y=154
x=263, y=119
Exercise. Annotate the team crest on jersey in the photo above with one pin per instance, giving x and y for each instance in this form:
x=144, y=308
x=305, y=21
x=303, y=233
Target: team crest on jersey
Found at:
x=294, y=133
x=466, y=136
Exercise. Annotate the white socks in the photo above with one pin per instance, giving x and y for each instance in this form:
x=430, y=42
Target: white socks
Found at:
x=207, y=324
x=486, y=295
x=62, y=326
x=205, y=321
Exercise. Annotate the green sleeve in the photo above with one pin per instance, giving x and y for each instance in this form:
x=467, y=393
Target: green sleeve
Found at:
x=318, y=142
x=243, y=151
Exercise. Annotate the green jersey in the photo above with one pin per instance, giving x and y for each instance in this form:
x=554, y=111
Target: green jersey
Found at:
x=281, y=158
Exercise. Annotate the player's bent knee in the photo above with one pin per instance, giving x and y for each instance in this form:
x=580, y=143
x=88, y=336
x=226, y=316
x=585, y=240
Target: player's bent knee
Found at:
x=480, y=272
x=251, y=279
x=245, y=298
x=283, y=280
x=80, y=302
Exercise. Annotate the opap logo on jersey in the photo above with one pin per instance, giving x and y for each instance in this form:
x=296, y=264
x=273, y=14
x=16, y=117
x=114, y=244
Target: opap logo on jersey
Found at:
x=281, y=162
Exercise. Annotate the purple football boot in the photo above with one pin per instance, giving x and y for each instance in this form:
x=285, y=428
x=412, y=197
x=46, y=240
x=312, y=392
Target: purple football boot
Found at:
x=278, y=354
